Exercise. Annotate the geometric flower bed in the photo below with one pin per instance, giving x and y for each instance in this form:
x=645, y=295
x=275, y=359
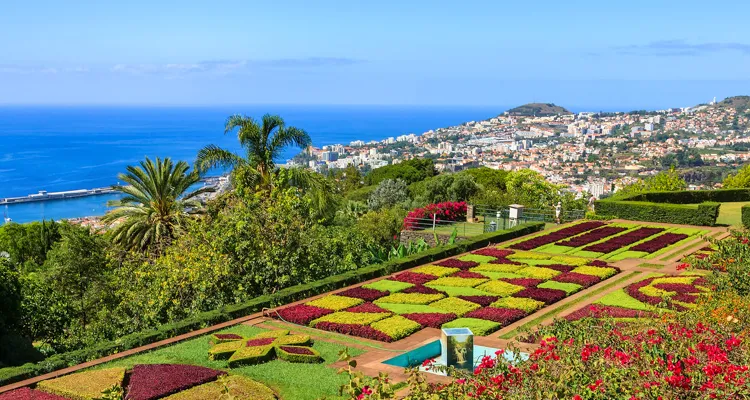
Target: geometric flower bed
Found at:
x=485, y=291
x=645, y=298
x=609, y=241
x=263, y=347
x=146, y=382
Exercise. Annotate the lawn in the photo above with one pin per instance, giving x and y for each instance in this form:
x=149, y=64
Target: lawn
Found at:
x=319, y=379
x=731, y=213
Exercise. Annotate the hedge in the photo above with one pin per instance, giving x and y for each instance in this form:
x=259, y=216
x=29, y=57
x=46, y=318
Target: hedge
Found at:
x=746, y=216
x=704, y=214
x=291, y=294
x=692, y=196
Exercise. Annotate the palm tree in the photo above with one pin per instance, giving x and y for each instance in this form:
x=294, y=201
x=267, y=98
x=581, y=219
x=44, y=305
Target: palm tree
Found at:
x=156, y=204
x=261, y=142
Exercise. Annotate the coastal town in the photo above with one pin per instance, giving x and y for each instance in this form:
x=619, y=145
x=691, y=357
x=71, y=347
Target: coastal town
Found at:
x=589, y=152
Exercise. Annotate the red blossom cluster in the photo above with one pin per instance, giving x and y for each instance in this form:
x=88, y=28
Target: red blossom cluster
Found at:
x=483, y=301
x=468, y=274
x=445, y=211
x=659, y=242
x=493, y=252
x=558, y=235
x=430, y=320
x=504, y=316
x=364, y=293
x=301, y=314
x=413, y=277
x=367, y=308
x=548, y=296
x=621, y=241
x=456, y=263
x=149, y=382
x=591, y=236
x=579, y=279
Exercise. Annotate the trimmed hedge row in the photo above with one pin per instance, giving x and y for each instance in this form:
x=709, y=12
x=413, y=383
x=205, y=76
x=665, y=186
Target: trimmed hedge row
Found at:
x=704, y=214
x=746, y=216
x=693, y=196
x=14, y=374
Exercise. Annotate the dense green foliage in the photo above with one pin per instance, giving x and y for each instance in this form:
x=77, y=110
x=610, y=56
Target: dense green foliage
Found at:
x=665, y=181
x=693, y=196
x=387, y=194
x=746, y=216
x=409, y=171
x=739, y=180
x=689, y=214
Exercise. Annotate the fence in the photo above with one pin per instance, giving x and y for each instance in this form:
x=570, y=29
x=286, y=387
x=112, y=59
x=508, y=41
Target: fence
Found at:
x=444, y=227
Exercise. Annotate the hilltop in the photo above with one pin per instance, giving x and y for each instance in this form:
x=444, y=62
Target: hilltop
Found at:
x=737, y=102
x=537, y=109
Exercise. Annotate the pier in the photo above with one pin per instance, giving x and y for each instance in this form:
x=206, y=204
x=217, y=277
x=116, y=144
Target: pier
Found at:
x=44, y=195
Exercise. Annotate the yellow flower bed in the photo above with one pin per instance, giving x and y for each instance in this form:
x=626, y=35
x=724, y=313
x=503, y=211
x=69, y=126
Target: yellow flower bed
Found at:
x=455, y=305
x=397, y=327
x=335, y=303
x=345, y=317
x=457, y=282
x=435, y=270
x=500, y=288
x=410, y=298
x=520, y=303
x=601, y=272
x=85, y=385
x=538, y=272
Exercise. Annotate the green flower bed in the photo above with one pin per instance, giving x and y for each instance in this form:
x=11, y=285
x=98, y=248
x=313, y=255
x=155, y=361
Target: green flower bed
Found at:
x=498, y=275
x=411, y=309
x=496, y=268
x=477, y=258
x=335, y=303
x=569, y=288
x=455, y=305
x=461, y=291
x=386, y=285
x=409, y=298
x=528, y=255
x=519, y=303
x=456, y=282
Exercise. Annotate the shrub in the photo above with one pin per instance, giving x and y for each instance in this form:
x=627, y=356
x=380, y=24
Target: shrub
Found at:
x=236, y=386
x=350, y=318
x=621, y=241
x=387, y=285
x=363, y=331
x=478, y=258
x=456, y=263
x=500, y=288
x=259, y=342
x=746, y=216
x=554, y=236
x=538, y=272
x=446, y=211
x=217, y=338
x=251, y=355
x=455, y=305
x=479, y=327
x=568, y=288
x=483, y=301
x=366, y=308
x=457, y=282
x=579, y=279
x=525, y=282
x=688, y=214
x=87, y=385
x=26, y=393
x=301, y=314
x=503, y=316
x=334, y=302
x=600, y=272
x=223, y=351
x=547, y=296
x=435, y=270
x=410, y=298
x=397, y=327
x=520, y=303
x=297, y=354
x=363, y=293
x=413, y=277
x=154, y=381
x=430, y=320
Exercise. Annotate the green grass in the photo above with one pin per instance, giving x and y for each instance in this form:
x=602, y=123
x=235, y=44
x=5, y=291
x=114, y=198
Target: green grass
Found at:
x=388, y=285
x=731, y=213
x=621, y=299
x=319, y=379
x=555, y=249
x=568, y=288
x=461, y=291
x=463, y=229
x=628, y=254
x=683, y=250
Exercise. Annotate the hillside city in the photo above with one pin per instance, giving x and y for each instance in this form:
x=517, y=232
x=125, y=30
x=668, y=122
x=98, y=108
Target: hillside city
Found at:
x=589, y=152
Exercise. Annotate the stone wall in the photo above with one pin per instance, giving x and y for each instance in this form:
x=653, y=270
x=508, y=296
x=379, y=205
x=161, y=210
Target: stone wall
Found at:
x=427, y=235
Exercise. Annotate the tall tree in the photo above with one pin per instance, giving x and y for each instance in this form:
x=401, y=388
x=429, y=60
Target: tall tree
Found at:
x=262, y=143
x=156, y=205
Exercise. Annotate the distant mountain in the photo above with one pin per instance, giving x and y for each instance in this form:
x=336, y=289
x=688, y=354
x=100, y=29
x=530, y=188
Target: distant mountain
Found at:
x=739, y=103
x=538, y=110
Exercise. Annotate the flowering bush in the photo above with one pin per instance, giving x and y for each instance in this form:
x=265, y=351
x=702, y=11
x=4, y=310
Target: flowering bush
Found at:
x=409, y=298
x=547, y=296
x=366, y=308
x=154, y=381
x=659, y=242
x=446, y=211
x=364, y=293
x=591, y=236
x=413, y=277
x=456, y=263
x=557, y=235
x=621, y=241
x=302, y=314
x=503, y=316
x=430, y=320
x=579, y=279
x=483, y=301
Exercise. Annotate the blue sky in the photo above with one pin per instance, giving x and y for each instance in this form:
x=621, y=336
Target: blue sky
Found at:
x=606, y=54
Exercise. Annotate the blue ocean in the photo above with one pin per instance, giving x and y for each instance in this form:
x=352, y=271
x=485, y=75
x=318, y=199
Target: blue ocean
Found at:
x=67, y=148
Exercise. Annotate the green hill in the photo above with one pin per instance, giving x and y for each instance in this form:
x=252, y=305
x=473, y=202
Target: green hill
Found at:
x=538, y=110
x=739, y=103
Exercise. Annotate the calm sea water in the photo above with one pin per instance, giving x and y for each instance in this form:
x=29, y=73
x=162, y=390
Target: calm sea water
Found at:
x=66, y=148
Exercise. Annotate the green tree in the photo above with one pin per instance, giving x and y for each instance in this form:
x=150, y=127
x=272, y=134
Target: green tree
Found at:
x=262, y=144
x=739, y=180
x=10, y=293
x=409, y=171
x=446, y=187
x=488, y=178
x=529, y=188
x=665, y=181
x=157, y=203
x=27, y=244
x=383, y=226
x=388, y=193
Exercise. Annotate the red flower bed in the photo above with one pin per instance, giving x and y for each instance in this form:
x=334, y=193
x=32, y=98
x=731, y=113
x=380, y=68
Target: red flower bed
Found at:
x=446, y=211
x=556, y=236
x=430, y=320
x=559, y=267
x=685, y=298
x=227, y=336
x=659, y=242
x=677, y=287
x=26, y=393
x=596, y=311
x=148, y=382
x=259, y=342
x=413, y=277
x=493, y=252
x=504, y=316
x=367, y=308
x=298, y=350
x=592, y=236
x=525, y=282
x=455, y=263
x=505, y=261
x=579, y=279
x=483, y=301
x=621, y=241
x=301, y=314
x=468, y=274
x=364, y=293
x=548, y=296
x=421, y=289
x=633, y=291
x=363, y=331
x=598, y=263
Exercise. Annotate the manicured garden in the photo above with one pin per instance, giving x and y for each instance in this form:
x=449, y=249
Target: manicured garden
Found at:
x=485, y=291
x=610, y=241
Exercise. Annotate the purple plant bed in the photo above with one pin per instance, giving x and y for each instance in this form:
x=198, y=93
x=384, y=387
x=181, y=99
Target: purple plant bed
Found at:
x=633, y=291
x=548, y=296
x=430, y=320
x=659, y=242
x=298, y=350
x=364, y=293
x=525, y=282
x=227, y=336
x=422, y=289
x=367, y=308
x=301, y=314
x=596, y=311
x=598, y=263
x=493, y=252
x=456, y=263
x=26, y=393
x=559, y=267
x=591, y=236
x=150, y=382
x=483, y=301
x=677, y=287
x=259, y=342
x=413, y=277
x=558, y=235
x=579, y=279
x=468, y=274
x=621, y=241
x=362, y=331
x=505, y=261
x=504, y=316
